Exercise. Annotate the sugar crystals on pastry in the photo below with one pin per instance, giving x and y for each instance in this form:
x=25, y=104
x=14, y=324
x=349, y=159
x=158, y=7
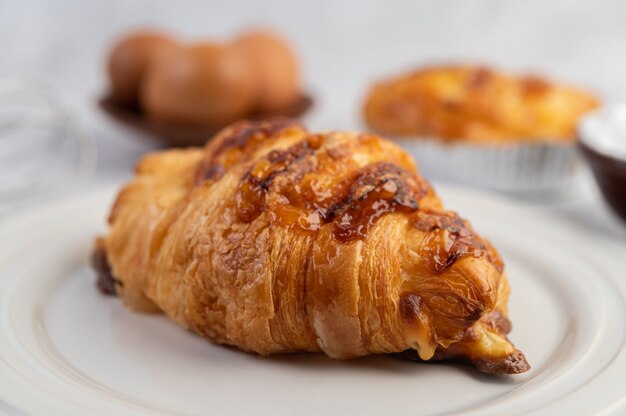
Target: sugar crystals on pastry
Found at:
x=275, y=239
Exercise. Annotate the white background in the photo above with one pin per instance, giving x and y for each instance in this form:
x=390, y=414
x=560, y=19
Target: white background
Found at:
x=343, y=46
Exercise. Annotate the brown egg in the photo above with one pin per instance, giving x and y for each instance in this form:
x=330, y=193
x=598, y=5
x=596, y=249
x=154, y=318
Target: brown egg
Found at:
x=275, y=69
x=202, y=85
x=129, y=60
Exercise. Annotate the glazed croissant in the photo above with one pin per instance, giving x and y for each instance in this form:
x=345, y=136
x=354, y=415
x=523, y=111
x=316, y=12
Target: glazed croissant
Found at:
x=275, y=240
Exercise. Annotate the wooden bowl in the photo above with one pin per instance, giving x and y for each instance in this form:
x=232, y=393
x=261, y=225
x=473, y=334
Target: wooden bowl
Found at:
x=181, y=136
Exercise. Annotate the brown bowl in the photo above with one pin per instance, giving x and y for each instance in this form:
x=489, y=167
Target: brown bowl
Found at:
x=180, y=136
x=610, y=174
x=602, y=138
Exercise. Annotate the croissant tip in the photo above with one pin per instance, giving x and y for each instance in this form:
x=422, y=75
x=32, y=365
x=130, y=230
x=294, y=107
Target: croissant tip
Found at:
x=513, y=363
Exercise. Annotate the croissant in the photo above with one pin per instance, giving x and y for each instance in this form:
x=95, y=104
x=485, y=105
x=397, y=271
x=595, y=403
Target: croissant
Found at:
x=277, y=240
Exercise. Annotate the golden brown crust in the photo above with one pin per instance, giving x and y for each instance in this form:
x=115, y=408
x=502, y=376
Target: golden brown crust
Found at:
x=274, y=240
x=475, y=103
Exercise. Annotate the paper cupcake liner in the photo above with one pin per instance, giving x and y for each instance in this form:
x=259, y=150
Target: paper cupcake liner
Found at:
x=524, y=167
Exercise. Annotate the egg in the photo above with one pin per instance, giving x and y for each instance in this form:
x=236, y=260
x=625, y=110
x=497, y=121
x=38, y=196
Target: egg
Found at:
x=129, y=61
x=275, y=69
x=205, y=84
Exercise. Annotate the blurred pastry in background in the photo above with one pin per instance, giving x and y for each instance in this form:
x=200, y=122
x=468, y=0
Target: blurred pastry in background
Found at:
x=275, y=69
x=206, y=84
x=185, y=92
x=476, y=103
x=479, y=126
x=129, y=62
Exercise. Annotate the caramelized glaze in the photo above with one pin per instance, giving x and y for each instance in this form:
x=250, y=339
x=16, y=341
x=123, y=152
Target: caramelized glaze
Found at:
x=377, y=189
x=449, y=238
x=238, y=142
x=303, y=187
x=252, y=192
x=353, y=206
x=311, y=183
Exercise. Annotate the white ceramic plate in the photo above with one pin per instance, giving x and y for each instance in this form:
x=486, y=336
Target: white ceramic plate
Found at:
x=67, y=350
